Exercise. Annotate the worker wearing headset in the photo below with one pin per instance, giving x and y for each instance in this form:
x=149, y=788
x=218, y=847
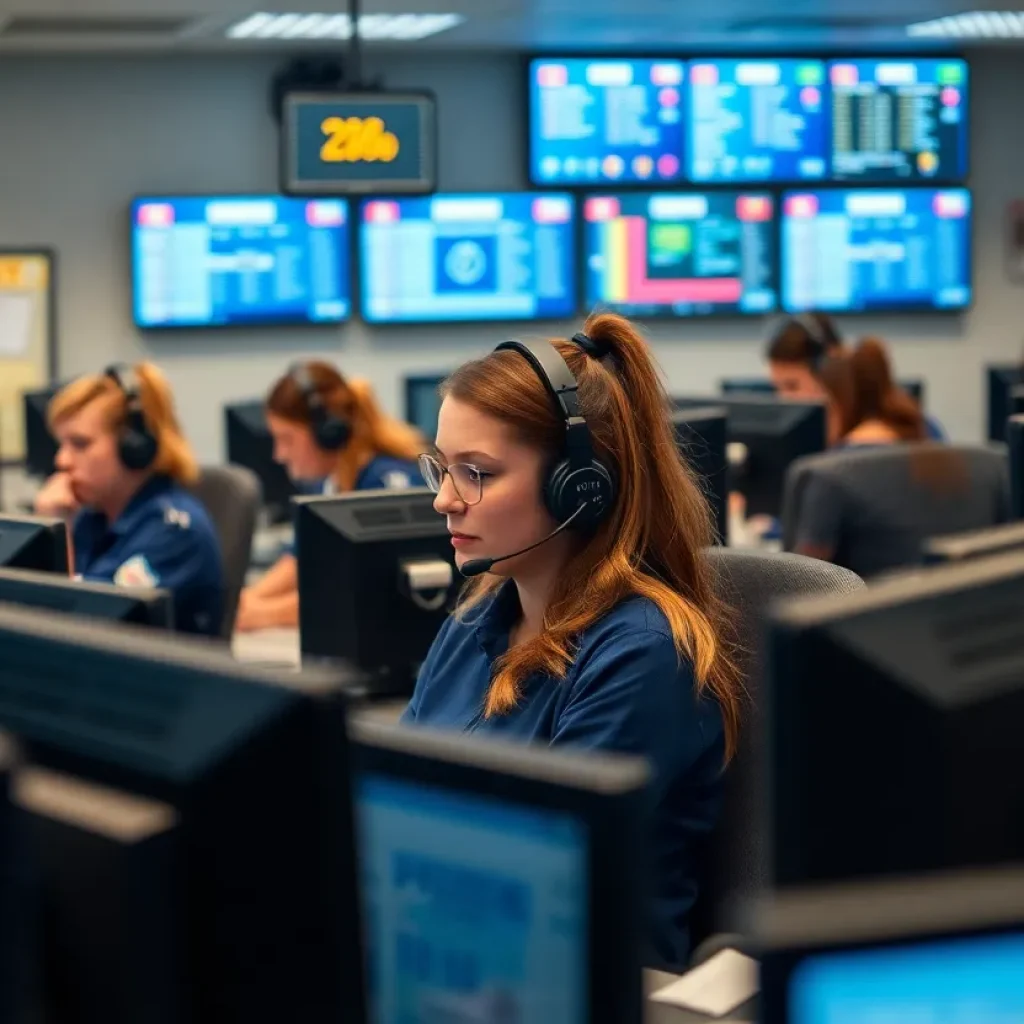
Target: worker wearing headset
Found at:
x=332, y=437
x=590, y=619
x=123, y=467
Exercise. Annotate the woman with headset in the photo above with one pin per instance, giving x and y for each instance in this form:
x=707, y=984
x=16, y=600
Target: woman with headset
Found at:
x=332, y=437
x=590, y=619
x=123, y=467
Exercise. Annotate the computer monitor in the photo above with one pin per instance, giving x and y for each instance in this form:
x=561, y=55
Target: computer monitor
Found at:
x=773, y=434
x=17, y=907
x=34, y=542
x=497, y=885
x=701, y=437
x=947, y=948
x=423, y=402
x=376, y=581
x=1015, y=444
x=959, y=547
x=746, y=385
x=40, y=445
x=894, y=722
x=192, y=827
x=1001, y=381
x=140, y=605
x=914, y=388
x=249, y=444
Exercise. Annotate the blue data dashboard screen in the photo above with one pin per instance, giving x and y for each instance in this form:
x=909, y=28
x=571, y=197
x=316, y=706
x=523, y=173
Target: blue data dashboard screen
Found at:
x=594, y=121
x=757, y=120
x=214, y=261
x=681, y=253
x=899, y=120
x=475, y=909
x=961, y=981
x=506, y=256
x=851, y=250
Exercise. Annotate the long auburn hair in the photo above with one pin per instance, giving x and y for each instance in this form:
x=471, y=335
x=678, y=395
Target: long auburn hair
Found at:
x=374, y=432
x=877, y=395
x=174, y=456
x=650, y=543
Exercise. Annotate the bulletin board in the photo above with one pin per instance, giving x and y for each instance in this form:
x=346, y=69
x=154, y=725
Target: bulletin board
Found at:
x=27, y=338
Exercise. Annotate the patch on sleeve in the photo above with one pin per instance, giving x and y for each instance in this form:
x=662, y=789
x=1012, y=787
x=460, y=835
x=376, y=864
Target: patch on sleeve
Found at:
x=177, y=517
x=136, y=572
x=396, y=480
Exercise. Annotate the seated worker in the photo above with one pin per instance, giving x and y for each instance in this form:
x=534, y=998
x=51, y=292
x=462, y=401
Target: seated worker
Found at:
x=601, y=629
x=797, y=353
x=332, y=437
x=122, y=469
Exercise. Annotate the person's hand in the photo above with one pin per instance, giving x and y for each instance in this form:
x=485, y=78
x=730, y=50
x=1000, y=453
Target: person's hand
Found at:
x=252, y=614
x=56, y=498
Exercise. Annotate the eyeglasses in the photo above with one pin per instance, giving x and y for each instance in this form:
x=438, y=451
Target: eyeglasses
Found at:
x=468, y=480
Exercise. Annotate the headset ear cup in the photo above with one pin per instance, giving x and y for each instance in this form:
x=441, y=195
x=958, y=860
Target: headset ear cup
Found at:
x=566, y=490
x=332, y=433
x=137, y=451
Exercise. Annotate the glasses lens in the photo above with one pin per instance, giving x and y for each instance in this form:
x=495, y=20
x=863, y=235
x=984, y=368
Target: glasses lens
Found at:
x=468, y=482
x=432, y=472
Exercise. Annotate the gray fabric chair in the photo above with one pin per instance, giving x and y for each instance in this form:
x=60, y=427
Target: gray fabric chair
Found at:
x=750, y=581
x=231, y=496
x=885, y=511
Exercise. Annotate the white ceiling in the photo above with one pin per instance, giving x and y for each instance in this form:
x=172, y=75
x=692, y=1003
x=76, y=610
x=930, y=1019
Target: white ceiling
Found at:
x=579, y=25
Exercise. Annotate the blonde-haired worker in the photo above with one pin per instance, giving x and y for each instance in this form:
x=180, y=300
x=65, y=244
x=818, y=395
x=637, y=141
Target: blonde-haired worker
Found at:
x=122, y=469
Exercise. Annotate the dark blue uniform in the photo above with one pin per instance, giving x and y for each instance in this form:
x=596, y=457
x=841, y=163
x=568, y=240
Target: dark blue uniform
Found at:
x=626, y=691
x=163, y=538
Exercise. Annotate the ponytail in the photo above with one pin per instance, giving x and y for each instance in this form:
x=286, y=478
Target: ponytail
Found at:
x=878, y=397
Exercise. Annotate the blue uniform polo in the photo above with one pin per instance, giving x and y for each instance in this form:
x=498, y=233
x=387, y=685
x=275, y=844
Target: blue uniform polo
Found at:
x=163, y=538
x=626, y=691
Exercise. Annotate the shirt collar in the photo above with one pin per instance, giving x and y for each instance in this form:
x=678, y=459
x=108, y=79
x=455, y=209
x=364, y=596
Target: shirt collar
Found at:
x=154, y=487
x=496, y=617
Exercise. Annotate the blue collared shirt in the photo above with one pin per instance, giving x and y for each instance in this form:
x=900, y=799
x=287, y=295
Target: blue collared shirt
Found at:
x=163, y=538
x=626, y=691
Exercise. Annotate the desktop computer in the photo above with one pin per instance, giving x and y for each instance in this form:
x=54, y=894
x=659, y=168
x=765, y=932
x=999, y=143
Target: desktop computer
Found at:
x=139, y=605
x=423, y=402
x=376, y=581
x=944, y=948
x=894, y=717
x=746, y=385
x=1001, y=381
x=1015, y=446
x=40, y=445
x=501, y=882
x=774, y=434
x=191, y=825
x=250, y=444
x=701, y=437
x=34, y=542
x=959, y=547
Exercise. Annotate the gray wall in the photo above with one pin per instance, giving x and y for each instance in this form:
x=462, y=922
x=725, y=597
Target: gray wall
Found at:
x=82, y=135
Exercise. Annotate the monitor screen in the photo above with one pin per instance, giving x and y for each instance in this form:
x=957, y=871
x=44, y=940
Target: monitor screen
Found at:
x=681, y=253
x=499, y=256
x=216, y=261
x=423, y=403
x=442, y=867
x=599, y=121
x=964, y=979
x=899, y=120
x=757, y=120
x=854, y=250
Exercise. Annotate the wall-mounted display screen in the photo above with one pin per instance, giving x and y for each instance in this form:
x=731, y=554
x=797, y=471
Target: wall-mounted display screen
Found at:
x=496, y=256
x=599, y=121
x=757, y=120
x=899, y=120
x=681, y=253
x=854, y=250
x=214, y=261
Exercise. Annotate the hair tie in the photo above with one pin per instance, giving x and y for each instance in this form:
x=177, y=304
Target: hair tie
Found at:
x=594, y=349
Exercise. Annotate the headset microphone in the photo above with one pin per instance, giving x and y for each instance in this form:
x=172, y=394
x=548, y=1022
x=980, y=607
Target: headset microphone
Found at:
x=478, y=566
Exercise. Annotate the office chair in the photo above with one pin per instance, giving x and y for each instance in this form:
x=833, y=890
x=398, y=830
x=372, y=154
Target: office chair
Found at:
x=232, y=497
x=733, y=865
x=888, y=510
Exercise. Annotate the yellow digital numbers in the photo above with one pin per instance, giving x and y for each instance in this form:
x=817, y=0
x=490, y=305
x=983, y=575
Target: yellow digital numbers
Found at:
x=352, y=140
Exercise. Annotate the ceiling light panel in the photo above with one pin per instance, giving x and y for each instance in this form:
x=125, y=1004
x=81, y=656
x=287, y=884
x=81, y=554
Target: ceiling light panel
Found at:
x=400, y=27
x=971, y=25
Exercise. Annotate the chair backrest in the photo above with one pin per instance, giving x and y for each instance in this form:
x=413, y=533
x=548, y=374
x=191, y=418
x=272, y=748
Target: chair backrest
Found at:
x=885, y=502
x=750, y=581
x=231, y=496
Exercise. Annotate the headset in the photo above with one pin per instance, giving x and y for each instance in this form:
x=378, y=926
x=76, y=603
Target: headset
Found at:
x=579, y=490
x=137, y=447
x=578, y=486
x=330, y=432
